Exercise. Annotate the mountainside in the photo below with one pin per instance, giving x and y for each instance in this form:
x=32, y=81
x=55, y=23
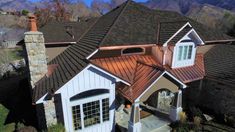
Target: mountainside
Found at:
x=12, y=5
x=183, y=6
x=218, y=14
x=213, y=16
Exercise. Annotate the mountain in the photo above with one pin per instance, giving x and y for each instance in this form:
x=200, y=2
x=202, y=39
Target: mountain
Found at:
x=212, y=16
x=183, y=6
x=219, y=14
x=12, y=5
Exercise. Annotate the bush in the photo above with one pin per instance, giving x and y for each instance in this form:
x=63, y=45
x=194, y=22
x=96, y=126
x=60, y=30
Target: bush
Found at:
x=183, y=117
x=197, y=121
x=56, y=128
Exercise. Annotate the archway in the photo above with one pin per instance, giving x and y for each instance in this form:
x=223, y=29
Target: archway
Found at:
x=161, y=100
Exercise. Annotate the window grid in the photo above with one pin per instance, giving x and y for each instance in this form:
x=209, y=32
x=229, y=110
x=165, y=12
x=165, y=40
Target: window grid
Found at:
x=185, y=52
x=76, y=117
x=190, y=52
x=105, y=109
x=91, y=112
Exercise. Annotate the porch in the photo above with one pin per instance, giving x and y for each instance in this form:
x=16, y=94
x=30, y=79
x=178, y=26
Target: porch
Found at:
x=149, y=121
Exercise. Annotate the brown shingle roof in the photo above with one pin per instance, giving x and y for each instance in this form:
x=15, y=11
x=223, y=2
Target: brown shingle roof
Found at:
x=220, y=63
x=56, y=31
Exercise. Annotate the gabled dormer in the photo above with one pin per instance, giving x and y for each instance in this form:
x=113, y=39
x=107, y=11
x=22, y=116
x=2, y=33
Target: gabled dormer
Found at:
x=183, y=45
x=185, y=50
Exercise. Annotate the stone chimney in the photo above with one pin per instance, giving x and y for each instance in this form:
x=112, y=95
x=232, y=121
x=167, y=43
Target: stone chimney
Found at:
x=36, y=52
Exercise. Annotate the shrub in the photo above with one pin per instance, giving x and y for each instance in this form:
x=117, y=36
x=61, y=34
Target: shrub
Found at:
x=56, y=128
x=197, y=121
x=183, y=117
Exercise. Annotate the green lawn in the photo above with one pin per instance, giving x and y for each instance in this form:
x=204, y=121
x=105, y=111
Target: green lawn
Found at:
x=8, y=55
x=3, y=115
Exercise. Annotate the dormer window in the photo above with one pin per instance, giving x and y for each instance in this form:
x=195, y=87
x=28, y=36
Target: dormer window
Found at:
x=184, y=54
x=129, y=51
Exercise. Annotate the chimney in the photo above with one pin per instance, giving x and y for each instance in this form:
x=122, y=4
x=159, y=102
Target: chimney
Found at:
x=36, y=52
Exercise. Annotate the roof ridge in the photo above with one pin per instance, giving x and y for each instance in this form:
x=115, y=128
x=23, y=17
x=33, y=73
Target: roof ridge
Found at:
x=115, y=21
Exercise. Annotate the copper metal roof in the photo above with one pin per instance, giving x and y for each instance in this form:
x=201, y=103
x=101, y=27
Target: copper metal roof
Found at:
x=139, y=70
x=190, y=73
x=142, y=70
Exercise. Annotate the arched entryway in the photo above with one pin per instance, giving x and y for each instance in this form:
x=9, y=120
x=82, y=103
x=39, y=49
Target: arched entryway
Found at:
x=161, y=100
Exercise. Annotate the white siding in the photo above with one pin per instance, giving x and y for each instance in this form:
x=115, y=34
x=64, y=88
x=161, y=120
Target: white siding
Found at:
x=88, y=79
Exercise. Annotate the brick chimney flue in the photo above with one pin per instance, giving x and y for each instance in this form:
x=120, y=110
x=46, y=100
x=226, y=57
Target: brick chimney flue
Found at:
x=32, y=23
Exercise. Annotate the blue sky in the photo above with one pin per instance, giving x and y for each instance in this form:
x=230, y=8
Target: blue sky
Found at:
x=88, y=2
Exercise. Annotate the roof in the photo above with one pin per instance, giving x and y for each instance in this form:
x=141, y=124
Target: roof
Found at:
x=220, y=63
x=128, y=24
x=142, y=70
x=190, y=73
x=139, y=70
x=56, y=31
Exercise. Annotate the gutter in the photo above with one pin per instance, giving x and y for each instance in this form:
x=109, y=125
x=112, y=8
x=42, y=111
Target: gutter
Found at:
x=217, y=41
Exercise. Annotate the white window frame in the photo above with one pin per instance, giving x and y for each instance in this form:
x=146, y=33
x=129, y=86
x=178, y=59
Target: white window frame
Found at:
x=87, y=100
x=183, y=62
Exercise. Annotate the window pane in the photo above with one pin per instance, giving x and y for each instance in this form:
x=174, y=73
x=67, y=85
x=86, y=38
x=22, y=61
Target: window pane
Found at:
x=91, y=113
x=76, y=117
x=185, y=52
x=180, y=52
x=105, y=109
x=190, y=52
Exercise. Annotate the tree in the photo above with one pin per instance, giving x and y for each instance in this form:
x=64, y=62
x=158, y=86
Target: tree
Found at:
x=100, y=7
x=53, y=9
x=24, y=12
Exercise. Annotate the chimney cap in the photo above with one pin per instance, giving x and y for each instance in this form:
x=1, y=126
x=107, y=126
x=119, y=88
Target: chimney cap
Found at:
x=32, y=22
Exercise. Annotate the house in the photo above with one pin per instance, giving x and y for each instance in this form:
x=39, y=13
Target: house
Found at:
x=64, y=34
x=131, y=56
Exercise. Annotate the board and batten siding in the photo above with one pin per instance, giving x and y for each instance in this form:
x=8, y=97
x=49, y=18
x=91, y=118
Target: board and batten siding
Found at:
x=88, y=79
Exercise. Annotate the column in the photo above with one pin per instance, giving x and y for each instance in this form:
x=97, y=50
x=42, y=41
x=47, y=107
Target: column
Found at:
x=134, y=124
x=176, y=108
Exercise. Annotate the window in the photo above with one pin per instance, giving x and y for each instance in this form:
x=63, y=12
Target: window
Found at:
x=185, y=52
x=76, y=117
x=133, y=51
x=92, y=113
x=105, y=109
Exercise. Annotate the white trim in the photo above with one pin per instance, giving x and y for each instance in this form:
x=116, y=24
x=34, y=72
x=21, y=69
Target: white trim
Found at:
x=165, y=72
x=90, y=65
x=187, y=24
x=88, y=57
x=118, y=79
x=41, y=100
x=193, y=30
x=184, y=86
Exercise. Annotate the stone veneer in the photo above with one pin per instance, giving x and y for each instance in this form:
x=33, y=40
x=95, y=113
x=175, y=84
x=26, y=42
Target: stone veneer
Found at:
x=36, y=55
x=50, y=113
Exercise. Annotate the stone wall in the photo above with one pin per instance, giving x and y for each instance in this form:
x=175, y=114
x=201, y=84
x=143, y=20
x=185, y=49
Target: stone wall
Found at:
x=50, y=112
x=36, y=55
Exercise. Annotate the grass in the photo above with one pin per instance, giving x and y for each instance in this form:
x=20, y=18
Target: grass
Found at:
x=56, y=128
x=3, y=115
x=8, y=55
